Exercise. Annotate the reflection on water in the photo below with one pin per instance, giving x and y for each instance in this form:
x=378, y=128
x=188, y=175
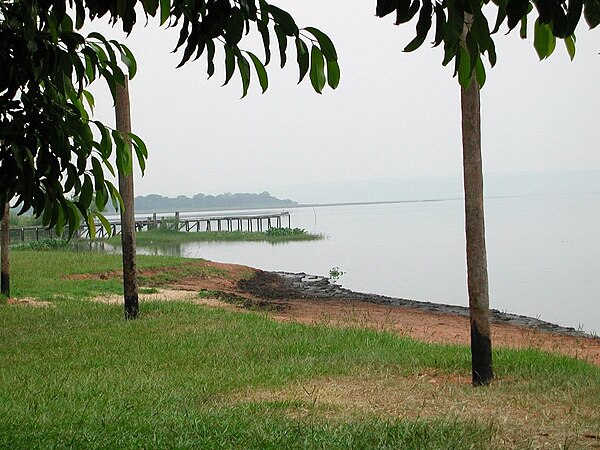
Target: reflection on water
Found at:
x=81, y=245
x=194, y=249
x=161, y=249
x=542, y=253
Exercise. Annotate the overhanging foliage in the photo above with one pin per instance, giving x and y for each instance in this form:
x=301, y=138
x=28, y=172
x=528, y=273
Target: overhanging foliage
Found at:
x=446, y=18
x=51, y=152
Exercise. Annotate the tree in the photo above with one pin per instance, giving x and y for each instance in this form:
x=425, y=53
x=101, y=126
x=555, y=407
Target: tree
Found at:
x=465, y=32
x=45, y=66
x=49, y=152
x=130, y=283
x=4, y=249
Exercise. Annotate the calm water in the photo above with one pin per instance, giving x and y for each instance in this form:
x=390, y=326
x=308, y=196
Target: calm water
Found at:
x=543, y=253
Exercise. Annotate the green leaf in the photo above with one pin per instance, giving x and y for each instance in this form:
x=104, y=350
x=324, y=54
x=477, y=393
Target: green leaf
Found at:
x=101, y=198
x=325, y=43
x=405, y=11
x=264, y=11
x=284, y=19
x=165, y=10
x=480, y=72
x=473, y=50
x=140, y=150
x=129, y=60
x=464, y=68
x=210, y=58
x=591, y=12
x=115, y=197
x=235, y=27
x=523, y=29
x=105, y=223
x=244, y=68
x=570, y=44
x=89, y=98
x=73, y=218
x=543, y=39
x=302, y=58
x=109, y=166
x=266, y=38
x=47, y=214
x=87, y=191
x=440, y=23
x=91, y=223
x=384, y=7
x=480, y=31
x=423, y=26
x=98, y=174
x=150, y=6
x=106, y=141
x=516, y=11
x=90, y=69
x=501, y=14
x=333, y=74
x=60, y=219
x=282, y=43
x=263, y=79
x=229, y=63
x=124, y=163
x=192, y=43
x=317, y=69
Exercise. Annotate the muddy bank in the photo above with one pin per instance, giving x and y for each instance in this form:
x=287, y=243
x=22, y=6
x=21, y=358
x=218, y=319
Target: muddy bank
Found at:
x=282, y=285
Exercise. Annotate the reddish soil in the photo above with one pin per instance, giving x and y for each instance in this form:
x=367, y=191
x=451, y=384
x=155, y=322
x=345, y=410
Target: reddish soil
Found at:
x=422, y=325
x=283, y=304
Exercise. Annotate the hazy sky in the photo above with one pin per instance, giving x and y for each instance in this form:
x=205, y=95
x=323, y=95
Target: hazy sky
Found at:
x=394, y=115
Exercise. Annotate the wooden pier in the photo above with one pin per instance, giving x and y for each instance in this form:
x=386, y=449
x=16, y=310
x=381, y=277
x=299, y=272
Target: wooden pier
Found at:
x=227, y=223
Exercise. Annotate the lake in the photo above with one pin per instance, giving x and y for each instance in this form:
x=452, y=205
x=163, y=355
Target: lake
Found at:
x=543, y=253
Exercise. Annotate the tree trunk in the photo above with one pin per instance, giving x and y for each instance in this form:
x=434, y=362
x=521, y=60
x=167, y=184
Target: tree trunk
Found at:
x=477, y=276
x=130, y=283
x=4, y=249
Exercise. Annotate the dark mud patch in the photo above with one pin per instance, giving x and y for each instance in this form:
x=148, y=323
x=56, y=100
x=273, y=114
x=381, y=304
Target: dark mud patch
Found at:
x=252, y=304
x=280, y=285
x=269, y=285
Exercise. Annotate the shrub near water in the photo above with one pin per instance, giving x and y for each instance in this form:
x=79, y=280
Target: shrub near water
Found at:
x=169, y=234
x=277, y=232
x=42, y=244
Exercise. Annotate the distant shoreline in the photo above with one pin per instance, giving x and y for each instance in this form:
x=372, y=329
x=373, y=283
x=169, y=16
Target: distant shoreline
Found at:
x=318, y=205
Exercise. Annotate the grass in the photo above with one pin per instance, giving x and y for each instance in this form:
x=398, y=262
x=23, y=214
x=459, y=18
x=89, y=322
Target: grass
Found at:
x=42, y=244
x=166, y=236
x=77, y=375
x=49, y=275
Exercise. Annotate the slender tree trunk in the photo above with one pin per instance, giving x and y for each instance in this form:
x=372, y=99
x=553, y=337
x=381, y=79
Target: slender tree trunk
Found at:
x=4, y=249
x=479, y=304
x=130, y=283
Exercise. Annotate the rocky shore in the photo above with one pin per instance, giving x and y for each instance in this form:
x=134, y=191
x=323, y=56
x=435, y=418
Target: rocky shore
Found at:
x=313, y=286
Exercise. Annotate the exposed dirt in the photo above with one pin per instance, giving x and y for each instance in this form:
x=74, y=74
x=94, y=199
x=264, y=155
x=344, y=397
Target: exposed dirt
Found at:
x=432, y=327
x=29, y=302
x=234, y=286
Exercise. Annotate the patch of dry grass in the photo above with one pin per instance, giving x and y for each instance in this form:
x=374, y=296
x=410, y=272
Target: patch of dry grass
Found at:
x=523, y=418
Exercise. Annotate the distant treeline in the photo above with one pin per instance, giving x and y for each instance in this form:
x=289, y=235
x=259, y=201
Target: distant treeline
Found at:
x=155, y=202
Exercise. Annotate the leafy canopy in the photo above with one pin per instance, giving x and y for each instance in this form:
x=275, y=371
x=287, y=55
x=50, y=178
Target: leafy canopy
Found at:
x=447, y=18
x=53, y=156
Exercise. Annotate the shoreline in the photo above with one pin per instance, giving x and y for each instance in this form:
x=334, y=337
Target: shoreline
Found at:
x=321, y=287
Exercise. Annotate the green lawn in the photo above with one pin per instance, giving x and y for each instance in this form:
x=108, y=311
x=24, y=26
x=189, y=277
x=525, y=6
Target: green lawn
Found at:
x=76, y=375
